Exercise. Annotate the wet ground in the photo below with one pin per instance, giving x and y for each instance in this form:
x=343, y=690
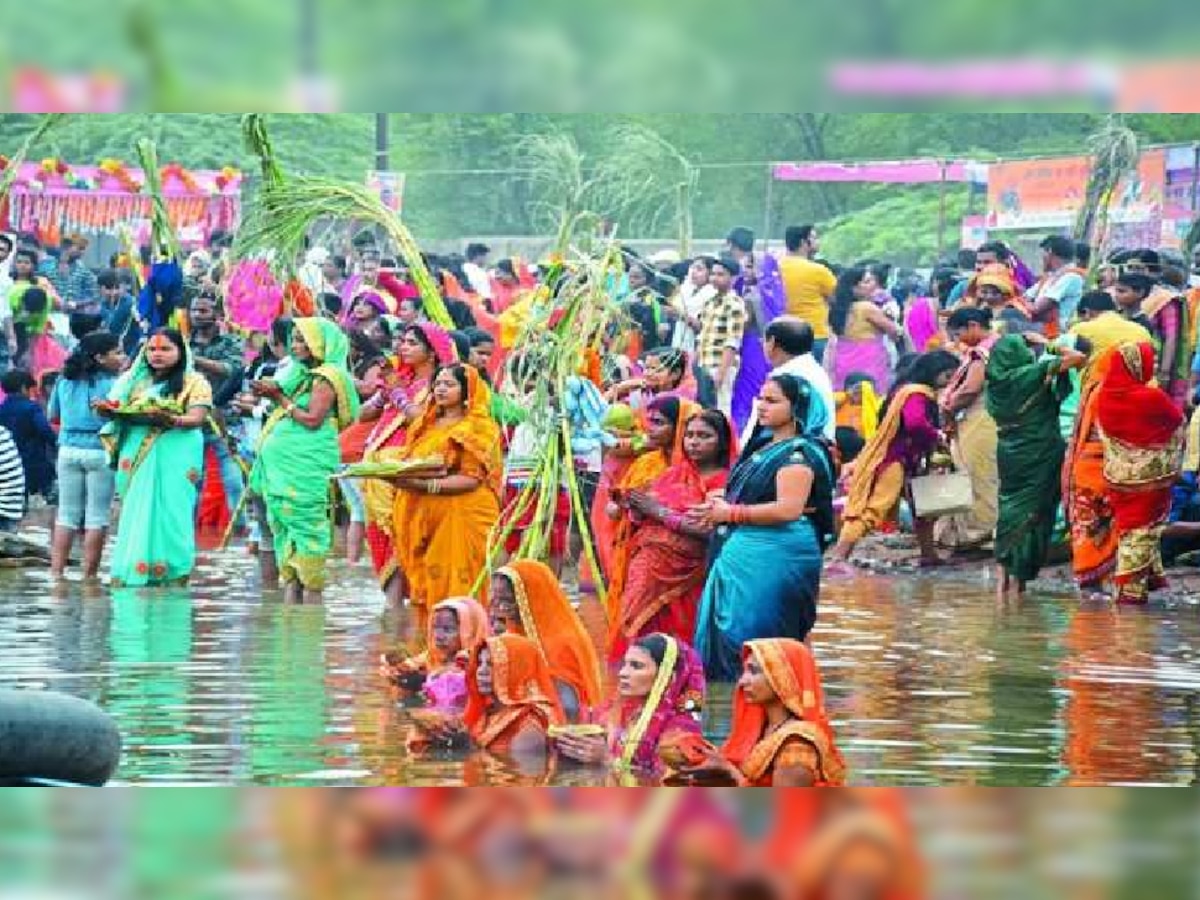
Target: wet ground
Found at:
x=930, y=681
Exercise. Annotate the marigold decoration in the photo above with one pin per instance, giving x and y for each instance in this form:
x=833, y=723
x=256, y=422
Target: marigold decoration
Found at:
x=298, y=300
x=183, y=176
x=118, y=171
x=227, y=176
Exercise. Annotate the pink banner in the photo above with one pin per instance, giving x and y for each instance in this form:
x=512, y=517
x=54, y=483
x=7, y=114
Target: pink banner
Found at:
x=909, y=171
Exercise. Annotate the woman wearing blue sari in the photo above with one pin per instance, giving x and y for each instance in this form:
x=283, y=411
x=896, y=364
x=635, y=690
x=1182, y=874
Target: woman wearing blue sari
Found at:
x=159, y=459
x=771, y=531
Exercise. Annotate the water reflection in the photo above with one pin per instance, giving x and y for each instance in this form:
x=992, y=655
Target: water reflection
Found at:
x=929, y=681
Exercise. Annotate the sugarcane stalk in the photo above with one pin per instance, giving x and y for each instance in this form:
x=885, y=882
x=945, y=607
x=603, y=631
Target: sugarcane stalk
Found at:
x=10, y=174
x=162, y=232
x=584, y=525
x=288, y=210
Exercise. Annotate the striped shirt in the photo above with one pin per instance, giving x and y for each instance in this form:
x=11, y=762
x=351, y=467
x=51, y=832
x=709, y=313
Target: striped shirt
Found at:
x=12, y=479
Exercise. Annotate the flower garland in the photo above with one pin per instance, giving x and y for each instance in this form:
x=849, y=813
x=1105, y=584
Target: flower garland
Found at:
x=117, y=170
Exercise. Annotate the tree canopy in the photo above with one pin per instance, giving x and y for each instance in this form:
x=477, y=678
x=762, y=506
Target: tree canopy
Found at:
x=461, y=177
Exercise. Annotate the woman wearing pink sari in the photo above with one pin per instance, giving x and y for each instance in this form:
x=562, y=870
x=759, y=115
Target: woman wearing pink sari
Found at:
x=660, y=694
x=921, y=325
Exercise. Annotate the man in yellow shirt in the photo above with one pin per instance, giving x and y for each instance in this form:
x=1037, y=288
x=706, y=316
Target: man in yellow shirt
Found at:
x=807, y=283
x=1103, y=327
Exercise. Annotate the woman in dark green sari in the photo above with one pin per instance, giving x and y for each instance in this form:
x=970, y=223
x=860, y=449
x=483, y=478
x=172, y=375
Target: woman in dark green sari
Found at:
x=1023, y=396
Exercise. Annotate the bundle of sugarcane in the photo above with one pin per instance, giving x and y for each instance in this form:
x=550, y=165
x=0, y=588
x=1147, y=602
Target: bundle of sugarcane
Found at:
x=160, y=300
x=295, y=298
x=162, y=233
x=1114, y=152
x=258, y=142
x=13, y=168
x=568, y=321
x=289, y=209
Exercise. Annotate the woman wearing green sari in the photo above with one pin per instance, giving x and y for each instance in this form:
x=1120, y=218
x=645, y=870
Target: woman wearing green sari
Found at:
x=1023, y=396
x=159, y=460
x=299, y=450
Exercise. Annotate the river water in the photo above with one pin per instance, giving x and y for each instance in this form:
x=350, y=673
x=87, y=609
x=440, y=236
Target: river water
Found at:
x=930, y=681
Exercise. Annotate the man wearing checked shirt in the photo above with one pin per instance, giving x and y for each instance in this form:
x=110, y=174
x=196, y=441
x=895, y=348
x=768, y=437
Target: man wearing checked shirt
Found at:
x=722, y=325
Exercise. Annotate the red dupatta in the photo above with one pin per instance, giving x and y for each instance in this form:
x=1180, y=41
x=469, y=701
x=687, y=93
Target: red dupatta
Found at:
x=682, y=485
x=1132, y=411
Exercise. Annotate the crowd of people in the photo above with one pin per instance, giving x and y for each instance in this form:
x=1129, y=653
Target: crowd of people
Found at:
x=749, y=422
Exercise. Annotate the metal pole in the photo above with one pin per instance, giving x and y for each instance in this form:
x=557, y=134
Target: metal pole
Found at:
x=767, y=211
x=941, y=243
x=381, y=142
x=1196, y=178
x=308, y=38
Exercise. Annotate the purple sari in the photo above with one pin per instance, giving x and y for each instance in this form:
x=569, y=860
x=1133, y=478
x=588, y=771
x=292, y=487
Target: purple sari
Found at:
x=754, y=367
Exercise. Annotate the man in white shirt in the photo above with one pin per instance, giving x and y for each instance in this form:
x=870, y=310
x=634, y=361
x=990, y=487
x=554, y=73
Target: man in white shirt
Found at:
x=788, y=342
x=475, y=268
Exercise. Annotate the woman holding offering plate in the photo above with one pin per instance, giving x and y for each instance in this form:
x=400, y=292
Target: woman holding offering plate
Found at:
x=156, y=411
x=298, y=452
x=441, y=524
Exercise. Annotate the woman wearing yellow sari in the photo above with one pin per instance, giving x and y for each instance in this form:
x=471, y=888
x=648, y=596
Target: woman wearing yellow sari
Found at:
x=420, y=349
x=441, y=525
x=298, y=452
x=908, y=435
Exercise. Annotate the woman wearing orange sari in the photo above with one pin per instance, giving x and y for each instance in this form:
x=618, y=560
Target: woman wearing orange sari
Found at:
x=441, y=525
x=666, y=565
x=457, y=627
x=780, y=734
x=1143, y=441
x=511, y=704
x=664, y=423
x=528, y=600
x=1090, y=517
x=405, y=394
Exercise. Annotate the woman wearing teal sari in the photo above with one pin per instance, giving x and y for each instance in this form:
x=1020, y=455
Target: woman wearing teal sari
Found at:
x=1024, y=394
x=765, y=570
x=159, y=460
x=299, y=450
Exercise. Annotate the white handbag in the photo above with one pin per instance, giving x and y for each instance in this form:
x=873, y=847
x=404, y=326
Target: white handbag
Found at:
x=944, y=494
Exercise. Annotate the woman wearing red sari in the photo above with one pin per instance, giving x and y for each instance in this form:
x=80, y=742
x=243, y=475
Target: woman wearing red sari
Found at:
x=421, y=349
x=1143, y=440
x=665, y=572
x=664, y=423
